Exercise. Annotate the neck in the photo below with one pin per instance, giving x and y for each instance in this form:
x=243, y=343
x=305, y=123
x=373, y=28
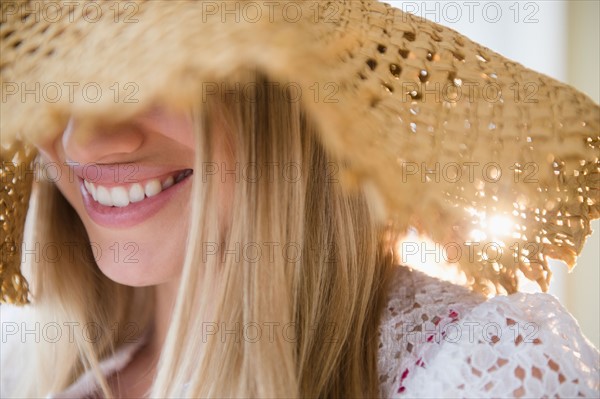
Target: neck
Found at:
x=165, y=295
x=136, y=378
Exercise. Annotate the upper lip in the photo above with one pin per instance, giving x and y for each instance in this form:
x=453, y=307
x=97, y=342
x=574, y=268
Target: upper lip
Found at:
x=122, y=173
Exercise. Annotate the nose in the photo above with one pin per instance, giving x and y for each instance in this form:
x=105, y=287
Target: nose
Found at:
x=98, y=143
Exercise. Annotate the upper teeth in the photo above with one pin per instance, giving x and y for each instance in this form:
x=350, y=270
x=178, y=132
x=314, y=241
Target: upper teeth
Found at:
x=123, y=195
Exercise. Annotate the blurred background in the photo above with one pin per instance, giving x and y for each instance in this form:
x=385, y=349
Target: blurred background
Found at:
x=560, y=38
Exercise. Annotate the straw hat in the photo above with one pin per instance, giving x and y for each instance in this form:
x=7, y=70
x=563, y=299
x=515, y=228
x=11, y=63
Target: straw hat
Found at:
x=445, y=135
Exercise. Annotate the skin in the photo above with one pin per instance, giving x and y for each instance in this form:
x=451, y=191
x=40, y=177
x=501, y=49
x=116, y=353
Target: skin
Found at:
x=155, y=138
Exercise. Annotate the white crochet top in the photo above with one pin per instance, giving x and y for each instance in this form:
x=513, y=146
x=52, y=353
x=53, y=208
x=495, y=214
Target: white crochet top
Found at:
x=439, y=339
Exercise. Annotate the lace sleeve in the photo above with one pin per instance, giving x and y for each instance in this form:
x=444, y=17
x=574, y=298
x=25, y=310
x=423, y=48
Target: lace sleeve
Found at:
x=520, y=345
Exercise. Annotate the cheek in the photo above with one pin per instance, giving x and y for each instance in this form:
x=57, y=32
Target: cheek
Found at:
x=54, y=171
x=176, y=127
x=53, y=168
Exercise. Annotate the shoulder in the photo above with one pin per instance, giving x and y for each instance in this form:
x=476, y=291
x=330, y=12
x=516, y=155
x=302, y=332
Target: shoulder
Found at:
x=417, y=306
x=23, y=333
x=464, y=345
x=13, y=321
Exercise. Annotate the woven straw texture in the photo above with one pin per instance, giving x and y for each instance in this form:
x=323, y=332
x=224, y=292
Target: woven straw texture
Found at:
x=17, y=177
x=444, y=134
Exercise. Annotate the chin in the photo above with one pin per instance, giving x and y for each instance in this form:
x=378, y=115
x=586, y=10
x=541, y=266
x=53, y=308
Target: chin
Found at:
x=137, y=263
x=135, y=274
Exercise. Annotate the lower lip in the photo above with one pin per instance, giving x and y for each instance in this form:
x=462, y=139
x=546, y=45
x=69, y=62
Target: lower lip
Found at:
x=132, y=214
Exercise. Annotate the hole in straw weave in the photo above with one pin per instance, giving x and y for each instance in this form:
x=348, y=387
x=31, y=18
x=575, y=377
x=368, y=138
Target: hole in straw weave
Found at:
x=395, y=70
x=372, y=64
x=410, y=36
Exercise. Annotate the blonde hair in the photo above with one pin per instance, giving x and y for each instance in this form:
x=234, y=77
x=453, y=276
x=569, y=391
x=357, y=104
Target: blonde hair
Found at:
x=314, y=292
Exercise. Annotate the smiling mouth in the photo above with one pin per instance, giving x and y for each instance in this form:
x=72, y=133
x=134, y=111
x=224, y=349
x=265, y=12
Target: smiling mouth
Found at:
x=122, y=195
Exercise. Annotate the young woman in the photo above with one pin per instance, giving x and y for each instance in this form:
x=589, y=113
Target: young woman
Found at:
x=201, y=243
